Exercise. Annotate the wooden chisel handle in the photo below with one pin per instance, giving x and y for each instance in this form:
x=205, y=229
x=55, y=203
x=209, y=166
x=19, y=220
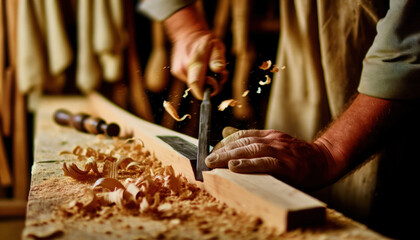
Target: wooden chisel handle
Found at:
x=86, y=123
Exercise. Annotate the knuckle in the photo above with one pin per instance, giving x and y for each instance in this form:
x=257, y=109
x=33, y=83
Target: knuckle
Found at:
x=242, y=142
x=254, y=148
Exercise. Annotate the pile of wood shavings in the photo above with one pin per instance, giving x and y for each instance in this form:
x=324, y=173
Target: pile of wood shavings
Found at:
x=134, y=196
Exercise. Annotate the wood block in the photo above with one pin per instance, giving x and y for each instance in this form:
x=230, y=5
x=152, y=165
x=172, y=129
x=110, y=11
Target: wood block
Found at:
x=262, y=195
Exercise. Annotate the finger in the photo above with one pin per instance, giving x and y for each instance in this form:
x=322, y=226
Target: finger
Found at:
x=240, y=134
x=256, y=165
x=214, y=84
x=198, y=67
x=221, y=158
x=223, y=77
x=195, y=79
x=228, y=131
x=217, y=60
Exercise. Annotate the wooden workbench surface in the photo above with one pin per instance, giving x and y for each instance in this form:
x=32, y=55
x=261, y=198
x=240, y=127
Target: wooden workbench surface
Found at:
x=50, y=189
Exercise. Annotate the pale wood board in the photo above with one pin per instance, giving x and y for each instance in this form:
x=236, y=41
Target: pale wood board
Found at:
x=48, y=181
x=277, y=203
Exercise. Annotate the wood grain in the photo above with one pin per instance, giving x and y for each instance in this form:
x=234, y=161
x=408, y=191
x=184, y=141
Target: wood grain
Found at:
x=277, y=203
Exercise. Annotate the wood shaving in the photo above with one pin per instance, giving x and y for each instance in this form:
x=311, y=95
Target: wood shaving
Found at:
x=186, y=92
x=276, y=69
x=258, y=90
x=245, y=93
x=265, y=65
x=267, y=81
x=227, y=103
x=144, y=189
x=171, y=110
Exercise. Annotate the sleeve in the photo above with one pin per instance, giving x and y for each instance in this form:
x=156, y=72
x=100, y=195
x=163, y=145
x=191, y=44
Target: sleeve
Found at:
x=159, y=10
x=391, y=68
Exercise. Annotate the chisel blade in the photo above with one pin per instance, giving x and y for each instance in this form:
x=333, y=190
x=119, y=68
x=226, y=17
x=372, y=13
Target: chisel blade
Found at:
x=203, y=135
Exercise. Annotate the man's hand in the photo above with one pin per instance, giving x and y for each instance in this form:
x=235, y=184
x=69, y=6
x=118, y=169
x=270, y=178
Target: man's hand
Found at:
x=195, y=51
x=298, y=162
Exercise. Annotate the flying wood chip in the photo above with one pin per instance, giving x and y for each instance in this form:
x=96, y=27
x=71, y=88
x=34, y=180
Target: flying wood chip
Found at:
x=226, y=103
x=171, y=110
x=265, y=65
x=267, y=80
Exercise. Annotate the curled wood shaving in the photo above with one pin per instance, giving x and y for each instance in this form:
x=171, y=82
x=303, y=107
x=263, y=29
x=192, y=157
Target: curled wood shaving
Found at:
x=276, y=69
x=186, y=92
x=77, y=150
x=64, y=152
x=267, y=80
x=171, y=110
x=119, y=197
x=133, y=190
x=133, y=165
x=108, y=183
x=265, y=65
x=75, y=172
x=123, y=162
x=226, y=103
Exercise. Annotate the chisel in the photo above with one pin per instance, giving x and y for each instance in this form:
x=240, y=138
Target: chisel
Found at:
x=203, y=135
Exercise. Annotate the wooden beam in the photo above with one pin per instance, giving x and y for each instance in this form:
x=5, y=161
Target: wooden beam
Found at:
x=261, y=195
x=277, y=203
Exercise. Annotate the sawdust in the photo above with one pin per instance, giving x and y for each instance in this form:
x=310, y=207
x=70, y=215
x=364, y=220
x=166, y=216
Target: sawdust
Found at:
x=145, y=201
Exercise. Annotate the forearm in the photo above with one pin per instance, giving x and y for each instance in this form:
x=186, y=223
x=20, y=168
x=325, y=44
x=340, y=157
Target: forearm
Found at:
x=359, y=132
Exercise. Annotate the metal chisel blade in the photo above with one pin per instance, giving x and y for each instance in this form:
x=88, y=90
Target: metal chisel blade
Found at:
x=203, y=135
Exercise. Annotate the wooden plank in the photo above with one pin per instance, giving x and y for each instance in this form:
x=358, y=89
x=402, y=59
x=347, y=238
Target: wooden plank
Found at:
x=277, y=203
x=260, y=195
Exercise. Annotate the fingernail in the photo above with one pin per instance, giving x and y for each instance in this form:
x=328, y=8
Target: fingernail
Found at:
x=218, y=64
x=211, y=157
x=234, y=163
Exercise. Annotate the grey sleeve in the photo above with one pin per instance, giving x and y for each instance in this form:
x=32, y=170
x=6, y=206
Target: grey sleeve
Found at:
x=159, y=10
x=391, y=68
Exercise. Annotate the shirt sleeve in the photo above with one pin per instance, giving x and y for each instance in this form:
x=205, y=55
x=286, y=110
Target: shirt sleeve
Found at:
x=159, y=10
x=391, y=68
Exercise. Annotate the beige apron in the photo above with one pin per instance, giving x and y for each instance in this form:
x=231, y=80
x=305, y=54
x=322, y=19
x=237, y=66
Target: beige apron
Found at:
x=321, y=49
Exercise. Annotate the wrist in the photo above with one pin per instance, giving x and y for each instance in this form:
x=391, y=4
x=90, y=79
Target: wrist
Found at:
x=177, y=27
x=336, y=160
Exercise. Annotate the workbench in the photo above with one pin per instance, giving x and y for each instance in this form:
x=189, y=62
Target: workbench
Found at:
x=50, y=188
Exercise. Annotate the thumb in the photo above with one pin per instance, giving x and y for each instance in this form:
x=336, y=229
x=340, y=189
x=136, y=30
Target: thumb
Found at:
x=256, y=165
